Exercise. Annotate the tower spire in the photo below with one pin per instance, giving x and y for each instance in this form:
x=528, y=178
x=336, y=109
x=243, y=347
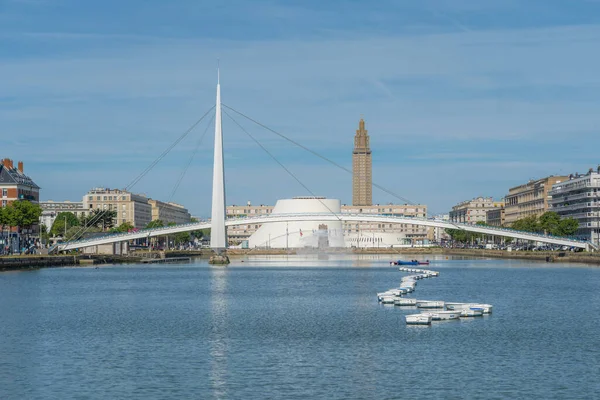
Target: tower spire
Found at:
x=218, y=234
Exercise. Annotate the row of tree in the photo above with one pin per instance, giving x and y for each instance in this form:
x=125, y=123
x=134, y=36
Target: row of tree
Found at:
x=462, y=236
x=19, y=214
x=549, y=223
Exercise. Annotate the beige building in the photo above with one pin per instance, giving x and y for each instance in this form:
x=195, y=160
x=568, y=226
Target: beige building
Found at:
x=414, y=234
x=474, y=211
x=361, y=168
x=495, y=217
x=531, y=198
x=239, y=233
x=130, y=207
x=169, y=212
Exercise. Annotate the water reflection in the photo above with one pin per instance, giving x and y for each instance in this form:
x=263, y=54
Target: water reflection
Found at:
x=218, y=349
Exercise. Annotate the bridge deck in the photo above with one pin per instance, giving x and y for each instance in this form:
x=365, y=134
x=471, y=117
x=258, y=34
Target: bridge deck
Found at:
x=321, y=217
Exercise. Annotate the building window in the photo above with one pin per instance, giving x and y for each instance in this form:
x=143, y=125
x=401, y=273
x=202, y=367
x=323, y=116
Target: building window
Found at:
x=4, y=192
x=3, y=203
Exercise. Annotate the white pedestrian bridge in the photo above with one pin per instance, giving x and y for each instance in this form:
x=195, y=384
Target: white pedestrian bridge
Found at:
x=170, y=230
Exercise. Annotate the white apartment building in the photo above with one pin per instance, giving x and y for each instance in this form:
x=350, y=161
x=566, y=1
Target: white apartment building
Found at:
x=578, y=197
x=50, y=209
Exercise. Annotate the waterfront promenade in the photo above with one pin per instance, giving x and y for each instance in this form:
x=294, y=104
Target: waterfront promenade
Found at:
x=30, y=262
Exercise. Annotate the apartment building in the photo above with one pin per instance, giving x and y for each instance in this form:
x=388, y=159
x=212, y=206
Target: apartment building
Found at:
x=50, y=209
x=531, y=198
x=475, y=210
x=15, y=185
x=578, y=197
x=239, y=233
x=496, y=217
x=413, y=234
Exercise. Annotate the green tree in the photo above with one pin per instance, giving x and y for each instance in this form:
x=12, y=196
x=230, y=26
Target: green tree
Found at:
x=200, y=232
x=549, y=222
x=4, y=218
x=527, y=224
x=567, y=227
x=64, y=218
x=157, y=223
x=104, y=219
x=124, y=227
x=23, y=214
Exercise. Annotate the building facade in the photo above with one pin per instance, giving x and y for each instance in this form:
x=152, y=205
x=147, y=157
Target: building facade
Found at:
x=362, y=168
x=578, y=197
x=474, y=211
x=169, y=212
x=50, y=209
x=129, y=207
x=238, y=234
x=531, y=198
x=409, y=234
x=15, y=185
x=495, y=217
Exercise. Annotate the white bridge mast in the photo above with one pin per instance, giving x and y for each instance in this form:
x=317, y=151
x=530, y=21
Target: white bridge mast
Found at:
x=218, y=235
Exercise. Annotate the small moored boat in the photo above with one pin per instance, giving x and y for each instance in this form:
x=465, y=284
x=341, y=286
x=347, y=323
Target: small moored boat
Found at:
x=418, y=319
x=430, y=304
x=487, y=308
x=442, y=315
x=403, y=301
x=472, y=312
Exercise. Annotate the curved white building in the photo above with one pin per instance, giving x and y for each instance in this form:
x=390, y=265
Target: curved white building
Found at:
x=302, y=233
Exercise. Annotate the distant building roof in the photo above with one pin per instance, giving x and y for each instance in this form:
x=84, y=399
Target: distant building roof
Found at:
x=12, y=176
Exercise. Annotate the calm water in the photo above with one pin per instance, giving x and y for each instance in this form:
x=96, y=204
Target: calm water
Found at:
x=297, y=328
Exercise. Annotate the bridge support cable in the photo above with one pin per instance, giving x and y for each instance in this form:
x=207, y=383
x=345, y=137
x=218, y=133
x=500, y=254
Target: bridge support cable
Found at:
x=198, y=143
x=405, y=200
x=187, y=166
x=281, y=164
x=93, y=221
x=167, y=150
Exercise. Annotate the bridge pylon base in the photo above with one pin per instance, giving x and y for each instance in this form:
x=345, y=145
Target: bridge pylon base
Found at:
x=219, y=259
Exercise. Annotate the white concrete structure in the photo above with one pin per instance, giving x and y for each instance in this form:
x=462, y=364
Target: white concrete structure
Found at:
x=297, y=234
x=218, y=236
x=376, y=239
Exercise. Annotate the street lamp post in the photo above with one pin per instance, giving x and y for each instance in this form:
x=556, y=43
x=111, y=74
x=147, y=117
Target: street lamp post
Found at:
x=65, y=227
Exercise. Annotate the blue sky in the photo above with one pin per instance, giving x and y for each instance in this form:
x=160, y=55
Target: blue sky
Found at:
x=461, y=98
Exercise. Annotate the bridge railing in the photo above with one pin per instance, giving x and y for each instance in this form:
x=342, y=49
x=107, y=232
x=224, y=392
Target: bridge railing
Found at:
x=457, y=224
x=316, y=216
x=126, y=234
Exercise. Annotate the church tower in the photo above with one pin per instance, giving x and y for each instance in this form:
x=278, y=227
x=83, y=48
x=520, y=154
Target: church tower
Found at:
x=361, y=168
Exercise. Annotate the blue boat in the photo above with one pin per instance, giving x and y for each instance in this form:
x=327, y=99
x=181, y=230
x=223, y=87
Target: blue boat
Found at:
x=412, y=262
